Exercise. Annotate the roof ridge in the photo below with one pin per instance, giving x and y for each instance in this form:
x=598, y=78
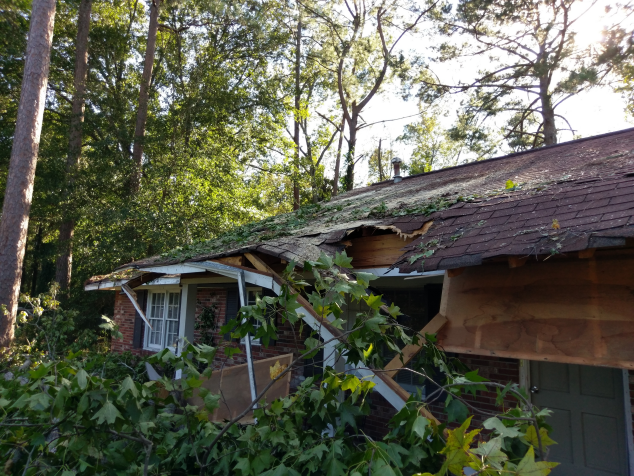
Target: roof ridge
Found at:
x=509, y=156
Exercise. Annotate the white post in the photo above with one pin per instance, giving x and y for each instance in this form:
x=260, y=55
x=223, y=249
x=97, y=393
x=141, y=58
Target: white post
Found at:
x=187, y=315
x=244, y=301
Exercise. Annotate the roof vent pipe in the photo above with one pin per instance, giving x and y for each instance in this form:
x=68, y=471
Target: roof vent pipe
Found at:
x=396, y=162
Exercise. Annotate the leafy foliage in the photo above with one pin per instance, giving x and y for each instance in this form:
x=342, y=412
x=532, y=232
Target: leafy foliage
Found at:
x=62, y=415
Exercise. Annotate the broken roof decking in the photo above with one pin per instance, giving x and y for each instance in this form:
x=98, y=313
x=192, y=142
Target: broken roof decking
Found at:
x=586, y=185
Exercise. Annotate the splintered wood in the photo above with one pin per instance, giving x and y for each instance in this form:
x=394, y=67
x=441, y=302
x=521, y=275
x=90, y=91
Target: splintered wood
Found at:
x=376, y=251
x=569, y=311
x=232, y=383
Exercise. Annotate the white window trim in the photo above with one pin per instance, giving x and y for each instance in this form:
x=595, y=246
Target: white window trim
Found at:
x=249, y=291
x=166, y=291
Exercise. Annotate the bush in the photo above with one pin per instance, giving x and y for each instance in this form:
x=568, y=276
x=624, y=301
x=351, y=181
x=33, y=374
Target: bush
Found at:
x=67, y=415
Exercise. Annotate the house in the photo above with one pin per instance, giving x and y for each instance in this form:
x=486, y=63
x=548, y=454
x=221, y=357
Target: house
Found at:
x=523, y=265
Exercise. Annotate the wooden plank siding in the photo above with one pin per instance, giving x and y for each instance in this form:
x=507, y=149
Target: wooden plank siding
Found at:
x=578, y=311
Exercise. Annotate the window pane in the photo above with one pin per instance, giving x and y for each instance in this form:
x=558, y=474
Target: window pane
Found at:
x=171, y=333
x=173, y=307
x=171, y=324
x=157, y=307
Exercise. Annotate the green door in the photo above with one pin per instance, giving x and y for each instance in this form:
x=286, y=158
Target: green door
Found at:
x=588, y=418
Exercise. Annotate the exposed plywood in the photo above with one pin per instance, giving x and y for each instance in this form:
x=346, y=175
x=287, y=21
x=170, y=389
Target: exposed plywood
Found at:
x=571, y=311
x=587, y=254
x=231, y=383
x=376, y=251
x=259, y=264
x=517, y=261
x=452, y=273
x=409, y=351
x=231, y=260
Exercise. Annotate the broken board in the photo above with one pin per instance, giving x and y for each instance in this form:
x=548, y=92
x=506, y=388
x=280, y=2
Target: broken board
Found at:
x=376, y=251
x=570, y=311
x=232, y=383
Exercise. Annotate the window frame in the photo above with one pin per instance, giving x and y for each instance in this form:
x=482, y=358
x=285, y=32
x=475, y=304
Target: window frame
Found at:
x=256, y=325
x=165, y=318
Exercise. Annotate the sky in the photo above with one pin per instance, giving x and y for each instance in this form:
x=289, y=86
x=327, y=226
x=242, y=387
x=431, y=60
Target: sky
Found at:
x=597, y=111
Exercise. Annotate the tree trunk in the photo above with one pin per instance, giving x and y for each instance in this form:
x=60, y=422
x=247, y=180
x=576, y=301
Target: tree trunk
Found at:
x=380, y=164
x=26, y=140
x=35, y=267
x=548, y=114
x=335, y=185
x=352, y=142
x=67, y=228
x=144, y=95
x=298, y=51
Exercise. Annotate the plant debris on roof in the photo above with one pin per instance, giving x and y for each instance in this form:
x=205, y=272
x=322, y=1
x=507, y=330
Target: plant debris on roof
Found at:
x=496, y=207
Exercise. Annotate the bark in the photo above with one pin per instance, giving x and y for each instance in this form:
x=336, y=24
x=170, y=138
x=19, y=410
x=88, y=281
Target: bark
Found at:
x=26, y=140
x=144, y=95
x=380, y=164
x=548, y=113
x=352, y=142
x=298, y=92
x=67, y=228
x=335, y=186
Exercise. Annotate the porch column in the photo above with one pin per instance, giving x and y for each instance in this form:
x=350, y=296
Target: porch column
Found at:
x=187, y=314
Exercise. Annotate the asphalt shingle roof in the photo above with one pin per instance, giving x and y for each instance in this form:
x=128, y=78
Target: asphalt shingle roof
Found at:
x=586, y=185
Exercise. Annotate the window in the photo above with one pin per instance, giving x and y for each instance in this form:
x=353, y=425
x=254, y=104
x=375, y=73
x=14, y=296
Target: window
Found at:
x=163, y=310
x=251, y=297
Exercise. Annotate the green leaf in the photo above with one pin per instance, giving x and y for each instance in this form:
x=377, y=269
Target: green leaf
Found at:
x=374, y=302
x=457, y=411
x=230, y=351
x=492, y=452
x=39, y=371
x=496, y=424
x=194, y=382
x=243, y=465
x=21, y=401
x=528, y=466
x=107, y=413
x=342, y=260
x=531, y=437
x=60, y=398
x=211, y=401
x=420, y=426
x=128, y=386
x=39, y=401
x=82, y=379
x=382, y=468
x=509, y=185
x=84, y=403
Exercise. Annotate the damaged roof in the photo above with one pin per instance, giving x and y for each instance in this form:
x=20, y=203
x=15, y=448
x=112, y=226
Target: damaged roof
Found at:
x=555, y=199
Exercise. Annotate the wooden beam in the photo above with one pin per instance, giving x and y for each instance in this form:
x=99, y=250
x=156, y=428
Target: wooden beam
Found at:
x=132, y=297
x=452, y=273
x=231, y=260
x=587, y=253
x=516, y=261
x=259, y=264
x=409, y=351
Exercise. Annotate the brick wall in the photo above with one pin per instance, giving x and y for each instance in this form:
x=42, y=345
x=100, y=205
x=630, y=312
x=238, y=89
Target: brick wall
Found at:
x=289, y=341
x=496, y=369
